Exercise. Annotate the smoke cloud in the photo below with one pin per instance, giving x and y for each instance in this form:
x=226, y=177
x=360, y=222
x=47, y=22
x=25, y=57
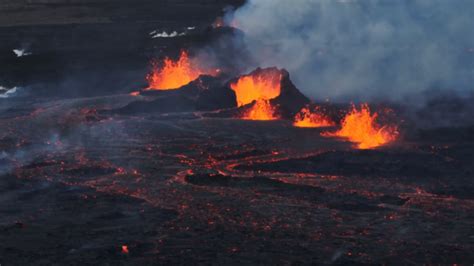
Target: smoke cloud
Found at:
x=364, y=49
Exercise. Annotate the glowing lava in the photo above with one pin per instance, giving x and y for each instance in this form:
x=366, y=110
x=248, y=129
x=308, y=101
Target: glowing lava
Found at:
x=125, y=249
x=173, y=74
x=224, y=22
x=261, y=110
x=218, y=23
x=315, y=118
x=264, y=85
x=360, y=127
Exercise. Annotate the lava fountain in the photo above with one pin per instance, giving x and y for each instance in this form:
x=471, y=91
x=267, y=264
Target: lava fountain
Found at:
x=260, y=85
x=261, y=110
x=360, y=127
x=315, y=118
x=259, y=88
x=173, y=74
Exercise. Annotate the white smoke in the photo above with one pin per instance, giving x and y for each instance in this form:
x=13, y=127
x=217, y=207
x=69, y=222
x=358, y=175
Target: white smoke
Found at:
x=364, y=48
x=8, y=92
x=21, y=52
x=164, y=34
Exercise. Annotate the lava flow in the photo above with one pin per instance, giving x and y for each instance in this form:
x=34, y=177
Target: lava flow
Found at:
x=261, y=110
x=315, y=118
x=173, y=74
x=360, y=127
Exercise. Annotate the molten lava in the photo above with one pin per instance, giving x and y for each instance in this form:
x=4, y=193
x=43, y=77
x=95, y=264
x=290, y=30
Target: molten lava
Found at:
x=315, y=118
x=360, y=126
x=173, y=74
x=221, y=22
x=259, y=86
x=261, y=110
x=218, y=23
x=125, y=249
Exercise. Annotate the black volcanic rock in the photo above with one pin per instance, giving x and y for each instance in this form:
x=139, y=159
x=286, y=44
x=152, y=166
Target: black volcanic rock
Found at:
x=54, y=12
x=215, y=97
x=260, y=184
x=203, y=94
x=365, y=162
x=291, y=100
x=170, y=104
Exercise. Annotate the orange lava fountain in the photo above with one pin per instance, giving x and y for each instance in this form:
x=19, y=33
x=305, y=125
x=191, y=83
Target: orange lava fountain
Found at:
x=173, y=74
x=261, y=110
x=261, y=86
x=307, y=118
x=360, y=127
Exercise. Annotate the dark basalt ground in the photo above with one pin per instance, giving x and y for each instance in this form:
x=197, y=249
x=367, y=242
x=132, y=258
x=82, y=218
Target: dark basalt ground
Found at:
x=70, y=224
x=180, y=188
x=206, y=93
x=83, y=173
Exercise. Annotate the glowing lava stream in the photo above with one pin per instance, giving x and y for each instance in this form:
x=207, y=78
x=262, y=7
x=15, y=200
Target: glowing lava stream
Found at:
x=173, y=74
x=307, y=118
x=360, y=127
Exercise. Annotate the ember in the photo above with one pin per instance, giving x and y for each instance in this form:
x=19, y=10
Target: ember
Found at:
x=218, y=23
x=360, y=126
x=315, y=118
x=125, y=249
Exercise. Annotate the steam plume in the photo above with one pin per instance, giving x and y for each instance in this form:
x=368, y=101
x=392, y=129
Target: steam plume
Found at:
x=362, y=49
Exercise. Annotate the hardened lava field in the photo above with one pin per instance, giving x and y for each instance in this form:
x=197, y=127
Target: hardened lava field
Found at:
x=186, y=188
x=150, y=135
